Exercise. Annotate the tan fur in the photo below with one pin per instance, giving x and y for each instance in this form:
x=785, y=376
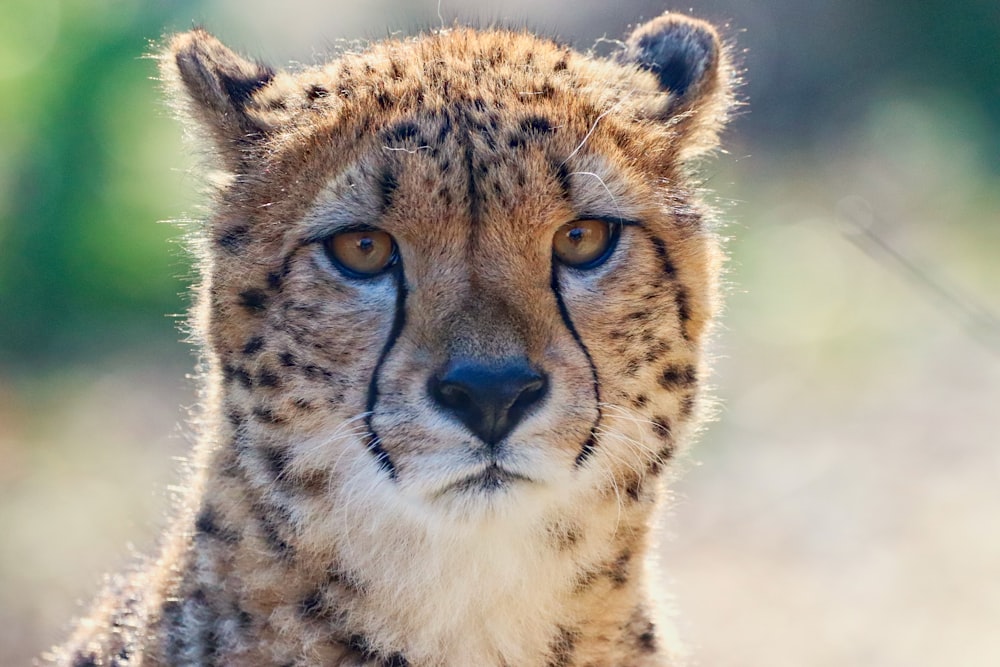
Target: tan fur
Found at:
x=296, y=543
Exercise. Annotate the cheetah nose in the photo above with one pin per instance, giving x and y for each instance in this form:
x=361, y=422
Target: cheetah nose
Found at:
x=489, y=399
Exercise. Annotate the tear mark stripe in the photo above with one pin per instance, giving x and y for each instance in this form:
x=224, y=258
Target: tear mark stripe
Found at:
x=591, y=443
x=398, y=322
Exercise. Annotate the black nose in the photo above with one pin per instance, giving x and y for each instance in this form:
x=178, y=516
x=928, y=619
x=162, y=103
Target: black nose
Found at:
x=489, y=399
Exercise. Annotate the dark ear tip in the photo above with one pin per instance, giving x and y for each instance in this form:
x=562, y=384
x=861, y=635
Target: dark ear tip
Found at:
x=682, y=51
x=215, y=75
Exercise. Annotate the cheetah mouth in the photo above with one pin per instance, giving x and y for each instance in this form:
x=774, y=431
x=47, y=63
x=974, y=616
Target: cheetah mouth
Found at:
x=491, y=479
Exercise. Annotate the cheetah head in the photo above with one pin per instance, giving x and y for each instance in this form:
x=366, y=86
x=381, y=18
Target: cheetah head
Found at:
x=467, y=270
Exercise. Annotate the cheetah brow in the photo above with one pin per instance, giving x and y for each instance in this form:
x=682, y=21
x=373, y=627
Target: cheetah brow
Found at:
x=614, y=200
x=593, y=127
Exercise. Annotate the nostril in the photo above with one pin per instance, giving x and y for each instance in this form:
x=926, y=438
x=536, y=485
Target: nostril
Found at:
x=490, y=400
x=531, y=394
x=452, y=395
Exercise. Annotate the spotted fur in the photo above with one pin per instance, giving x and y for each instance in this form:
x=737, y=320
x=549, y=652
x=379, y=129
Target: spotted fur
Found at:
x=337, y=516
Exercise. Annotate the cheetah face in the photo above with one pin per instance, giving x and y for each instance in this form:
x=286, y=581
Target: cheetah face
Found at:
x=464, y=285
x=483, y=383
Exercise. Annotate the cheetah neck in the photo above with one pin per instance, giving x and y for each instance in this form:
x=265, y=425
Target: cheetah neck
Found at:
x=329, y=577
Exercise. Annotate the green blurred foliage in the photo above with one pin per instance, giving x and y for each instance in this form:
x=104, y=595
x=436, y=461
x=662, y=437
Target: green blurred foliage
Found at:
x=85, y=172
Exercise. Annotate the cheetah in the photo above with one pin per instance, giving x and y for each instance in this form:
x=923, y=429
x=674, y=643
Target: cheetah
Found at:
x=452, y=307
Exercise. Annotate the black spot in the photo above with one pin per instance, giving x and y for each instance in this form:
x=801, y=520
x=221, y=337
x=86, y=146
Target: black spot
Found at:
x=363, y=646
x=274, y=280
x=254, y=300
x=585, y=579
x=312, y=606
x=445, y=129
x=683, y=309
x=562, y=648
x=401, y=132
x=562, y=177
x=633, y=488
x=560, y=66
x=244, y=618
x=235, y=417
x=677, y=377
x=687, y=405
x=314, y=372
x=359, y=644
x=276, y=459
x=267, y=378
x=640, y=401
x=662, y=457
x=536, y=125
x=253, y=345
x=661, y=427
x=315, y=92
x=564, y=536
x=661, y=252
x=231, y=373
x=618, y=571
x=387, y=184
x=346, y=580
x=472, y=192
x=269, y=530
x=85, y=660
x=267, y=416
x=644, y=631
x=207, y=524
x=517, y=140
x=287, y=359
x=121, y=660
x=234, y=239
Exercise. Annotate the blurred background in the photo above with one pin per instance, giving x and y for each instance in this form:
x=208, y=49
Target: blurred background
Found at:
x=844, y=508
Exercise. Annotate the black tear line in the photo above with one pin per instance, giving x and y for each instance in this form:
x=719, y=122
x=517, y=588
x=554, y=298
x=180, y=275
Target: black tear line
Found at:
x=588, y=447
x=398, y=322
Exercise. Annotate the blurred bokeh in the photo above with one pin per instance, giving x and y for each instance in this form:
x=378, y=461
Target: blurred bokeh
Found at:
x=844, y=508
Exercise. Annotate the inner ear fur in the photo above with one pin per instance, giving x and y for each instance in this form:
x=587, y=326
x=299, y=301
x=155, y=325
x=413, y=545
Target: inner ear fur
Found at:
x=694, y=72
x=215, y=87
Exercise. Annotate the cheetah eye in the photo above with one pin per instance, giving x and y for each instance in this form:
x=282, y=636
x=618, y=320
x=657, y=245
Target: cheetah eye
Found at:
x=361, y=253
x=584, y=244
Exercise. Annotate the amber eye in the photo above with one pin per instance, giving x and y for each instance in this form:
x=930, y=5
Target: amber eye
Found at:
x=584, y=244
x=361, y=253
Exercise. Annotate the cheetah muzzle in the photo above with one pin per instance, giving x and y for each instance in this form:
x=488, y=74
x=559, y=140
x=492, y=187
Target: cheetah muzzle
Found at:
x=452, y=306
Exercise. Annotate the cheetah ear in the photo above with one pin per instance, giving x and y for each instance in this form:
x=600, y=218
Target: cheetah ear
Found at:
x=215, y=87
x=693, y=69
